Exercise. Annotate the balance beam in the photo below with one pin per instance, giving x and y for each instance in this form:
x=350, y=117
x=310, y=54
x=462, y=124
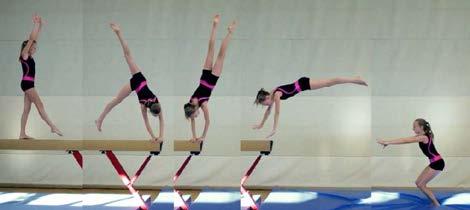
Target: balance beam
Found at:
x=108, y=146
x=262, y=146
x=104, y=146
x=71, y=146
x=194, y=148
x=187, y=146
x=36, y=144
x=79, y=145
x=122, y=145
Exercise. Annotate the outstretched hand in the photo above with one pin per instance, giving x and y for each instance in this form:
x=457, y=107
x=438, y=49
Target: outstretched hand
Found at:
x=200, y=139
x=197, y=140
x=38, y=20
x=383, y=143
x=157, y=140
x=115, y=27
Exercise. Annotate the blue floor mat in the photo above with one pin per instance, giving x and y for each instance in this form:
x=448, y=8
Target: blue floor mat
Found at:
x=354, y=199
x=416, y=200
x=227, y=199
x=66, y=201
x=164, y=200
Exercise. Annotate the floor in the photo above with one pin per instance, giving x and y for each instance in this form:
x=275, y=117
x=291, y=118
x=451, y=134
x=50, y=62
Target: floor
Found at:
x=229, y=199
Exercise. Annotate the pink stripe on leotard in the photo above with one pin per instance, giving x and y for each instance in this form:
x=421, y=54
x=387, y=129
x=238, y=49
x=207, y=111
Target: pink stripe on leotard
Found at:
x=141, y=85
x=202, y=98
x=28, y=78
x=204, y=83
x=434, y=157
x=297, y=88
x=199, y=99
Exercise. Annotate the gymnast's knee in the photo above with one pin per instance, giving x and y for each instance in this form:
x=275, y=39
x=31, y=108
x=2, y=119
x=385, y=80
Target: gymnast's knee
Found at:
x=420, y=184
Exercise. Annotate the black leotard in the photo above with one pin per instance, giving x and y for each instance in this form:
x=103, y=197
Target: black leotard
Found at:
x=428, y=149
x=292, y=89
x=29, y=71
x=206, y=85
x=139, y=85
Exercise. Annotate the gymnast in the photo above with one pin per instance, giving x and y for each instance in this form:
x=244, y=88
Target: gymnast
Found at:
x=284, y=92
x=138, y=83
x=31, y=96
x=425, y=138
x=208, y=80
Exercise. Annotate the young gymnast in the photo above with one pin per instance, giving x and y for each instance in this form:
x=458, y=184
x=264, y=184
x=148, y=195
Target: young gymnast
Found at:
x=31, y=96
x=138, y=83
x=284, y=92
x=425, y=138
x=208, y=80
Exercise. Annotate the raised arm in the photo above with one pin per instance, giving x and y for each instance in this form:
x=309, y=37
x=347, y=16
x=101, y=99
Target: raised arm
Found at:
x=205, y=110
x=33, y=36
x=146, y=121
x=406, y=140
x=125, y=48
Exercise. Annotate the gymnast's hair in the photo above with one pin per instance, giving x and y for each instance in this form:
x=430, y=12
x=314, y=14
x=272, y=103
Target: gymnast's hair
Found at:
x=426, y=127
x=155, y=108
x=24, y=43
x=261, y=96
x=189, y=109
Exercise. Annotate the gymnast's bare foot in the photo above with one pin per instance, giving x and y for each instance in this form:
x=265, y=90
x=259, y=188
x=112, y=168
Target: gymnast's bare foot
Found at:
x=360, y=81
x=25, y=137
x=216, y=20
x=232, y=26
x=56, y=131
x=98, y=124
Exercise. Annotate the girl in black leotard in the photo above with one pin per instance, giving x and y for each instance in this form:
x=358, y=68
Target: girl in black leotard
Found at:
x=138, y=83
x=31, y=96
x=425, y=138
x=209, y=77
x=284, y=92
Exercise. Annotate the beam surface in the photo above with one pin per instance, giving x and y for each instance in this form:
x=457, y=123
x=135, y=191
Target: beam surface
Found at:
x=102, y=145
x=256, y=145
x=122, y=145
x=36, y=144
x=186, y=145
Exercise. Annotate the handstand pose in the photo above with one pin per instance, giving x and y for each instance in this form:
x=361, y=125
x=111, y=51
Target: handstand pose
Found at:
x=210, y=75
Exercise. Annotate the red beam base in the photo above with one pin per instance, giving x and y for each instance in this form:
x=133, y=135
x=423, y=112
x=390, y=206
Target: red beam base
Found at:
x=247, y=201
x=78, y=157
x=128, y=182
x=180, y=203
